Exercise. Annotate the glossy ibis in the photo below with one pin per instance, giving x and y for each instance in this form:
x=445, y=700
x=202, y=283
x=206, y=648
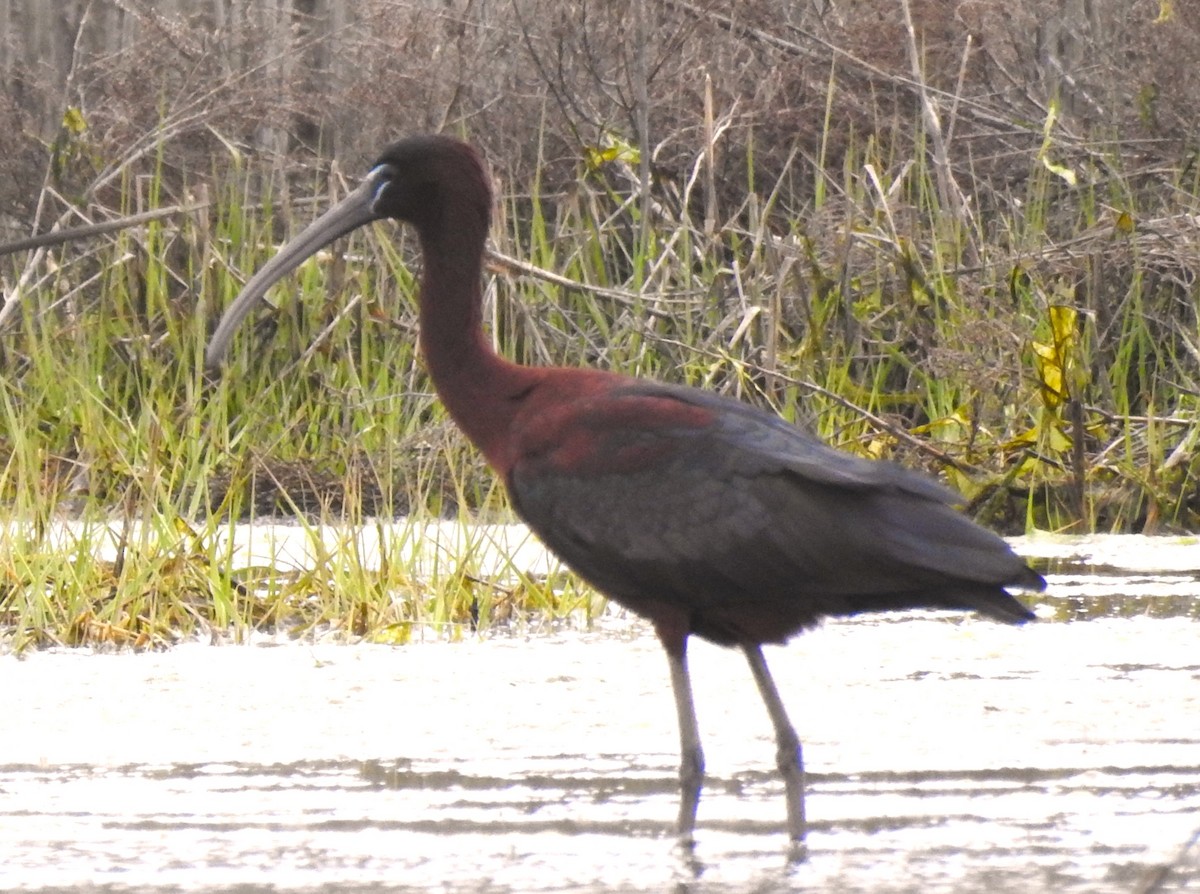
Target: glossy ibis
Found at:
x=698, y=512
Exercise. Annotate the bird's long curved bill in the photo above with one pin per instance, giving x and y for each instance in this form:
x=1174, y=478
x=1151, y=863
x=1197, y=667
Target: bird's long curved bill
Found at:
x=349, y=214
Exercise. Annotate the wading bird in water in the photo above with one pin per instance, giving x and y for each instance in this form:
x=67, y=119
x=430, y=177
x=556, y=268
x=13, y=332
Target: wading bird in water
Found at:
x=700, y=513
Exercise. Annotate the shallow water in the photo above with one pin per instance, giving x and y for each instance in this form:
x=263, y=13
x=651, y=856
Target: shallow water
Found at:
x=944, y=754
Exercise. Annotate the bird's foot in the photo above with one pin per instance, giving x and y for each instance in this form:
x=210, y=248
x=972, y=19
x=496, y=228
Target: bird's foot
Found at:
x=688, y=865
x=797, y=852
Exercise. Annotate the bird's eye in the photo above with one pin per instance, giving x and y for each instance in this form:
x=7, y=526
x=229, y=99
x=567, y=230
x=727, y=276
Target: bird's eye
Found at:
x=382, y=176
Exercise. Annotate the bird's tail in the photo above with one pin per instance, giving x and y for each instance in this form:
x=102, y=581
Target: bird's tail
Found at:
x=997, y=603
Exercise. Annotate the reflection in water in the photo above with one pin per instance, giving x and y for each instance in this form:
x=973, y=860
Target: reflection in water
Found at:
x=946, y=754
x=1118, y=577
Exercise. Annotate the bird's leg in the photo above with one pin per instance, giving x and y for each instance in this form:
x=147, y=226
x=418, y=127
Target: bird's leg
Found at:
x=789, y=757
x=691, y=766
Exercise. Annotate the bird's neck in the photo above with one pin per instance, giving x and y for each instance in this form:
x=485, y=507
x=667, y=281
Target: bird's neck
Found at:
x=476, y=385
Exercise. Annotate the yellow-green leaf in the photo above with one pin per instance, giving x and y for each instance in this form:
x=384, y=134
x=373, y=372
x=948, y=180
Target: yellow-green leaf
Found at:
x=595, y=157
x=952, y=427
x=1056, y=360
x=1047, y=140
x=1058, y=170
x=1063, y=320
x=73, y=120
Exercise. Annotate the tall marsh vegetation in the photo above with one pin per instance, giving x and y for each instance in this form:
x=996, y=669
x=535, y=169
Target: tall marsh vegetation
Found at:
x=836, y=218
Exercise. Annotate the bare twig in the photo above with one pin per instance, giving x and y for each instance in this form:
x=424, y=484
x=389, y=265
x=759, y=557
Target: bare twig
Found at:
x=504, y=263
x=710, y=158
x=641, y=89
x=72, y=234
x=972, y=108
x=948, y=189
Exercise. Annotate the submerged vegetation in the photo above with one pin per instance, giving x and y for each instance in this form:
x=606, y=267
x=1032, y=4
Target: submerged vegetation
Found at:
x=1035, y=345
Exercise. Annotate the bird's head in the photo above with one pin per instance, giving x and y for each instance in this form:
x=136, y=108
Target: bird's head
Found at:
x=435, y=183
x=421, y=179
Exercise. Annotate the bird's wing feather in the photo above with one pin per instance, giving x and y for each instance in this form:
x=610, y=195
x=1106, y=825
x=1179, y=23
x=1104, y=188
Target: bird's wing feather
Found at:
x=678, y=494
x=778, y=444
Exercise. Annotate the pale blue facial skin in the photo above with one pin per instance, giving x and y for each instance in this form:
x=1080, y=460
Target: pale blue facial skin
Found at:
x=379, y=189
